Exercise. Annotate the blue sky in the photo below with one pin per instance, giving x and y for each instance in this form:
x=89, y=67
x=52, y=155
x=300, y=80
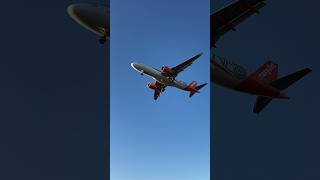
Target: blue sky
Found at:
x=281, y=142
x=168, y=138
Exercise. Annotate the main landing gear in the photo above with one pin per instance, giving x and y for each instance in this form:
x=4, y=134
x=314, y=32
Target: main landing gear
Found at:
x=104, y=36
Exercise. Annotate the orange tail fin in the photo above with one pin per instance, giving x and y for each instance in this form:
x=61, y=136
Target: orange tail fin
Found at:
x=268, y=72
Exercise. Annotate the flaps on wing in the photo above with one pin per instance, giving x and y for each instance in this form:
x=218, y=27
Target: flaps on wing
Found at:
x=177, y=69
x=229, y=17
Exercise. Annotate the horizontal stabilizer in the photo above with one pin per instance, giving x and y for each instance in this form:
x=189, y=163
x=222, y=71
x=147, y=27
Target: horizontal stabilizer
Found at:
x=285, y=82
x=281, y=84
x=197, y=88
x=261, y=103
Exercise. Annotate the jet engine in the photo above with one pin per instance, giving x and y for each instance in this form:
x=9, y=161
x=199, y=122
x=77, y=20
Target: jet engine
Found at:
x=152, y=86
x=166, y=70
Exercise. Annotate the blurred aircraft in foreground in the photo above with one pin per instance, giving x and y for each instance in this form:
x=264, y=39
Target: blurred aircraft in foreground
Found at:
x=93, y=17
x=167, y=77
x=263, y=83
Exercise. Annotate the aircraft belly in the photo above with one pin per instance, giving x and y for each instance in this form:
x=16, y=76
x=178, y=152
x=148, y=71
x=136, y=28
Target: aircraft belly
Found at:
x=179, y=85
x=223, y=78
x=92, y=17
x=158, y=76
x=100, y=20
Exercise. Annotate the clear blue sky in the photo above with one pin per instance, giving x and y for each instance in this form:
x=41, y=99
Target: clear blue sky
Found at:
x=168, y=138
x=283, y=141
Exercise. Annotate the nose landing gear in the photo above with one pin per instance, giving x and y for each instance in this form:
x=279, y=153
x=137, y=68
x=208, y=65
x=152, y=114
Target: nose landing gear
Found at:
x=103, y=38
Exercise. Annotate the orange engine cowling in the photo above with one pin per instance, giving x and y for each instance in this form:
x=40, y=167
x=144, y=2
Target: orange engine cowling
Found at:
x=166, y=70
x=152, y=86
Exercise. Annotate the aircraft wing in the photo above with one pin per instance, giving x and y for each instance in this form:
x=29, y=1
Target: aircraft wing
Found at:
x=230, y=16
x=177, y=69
x=160, y=88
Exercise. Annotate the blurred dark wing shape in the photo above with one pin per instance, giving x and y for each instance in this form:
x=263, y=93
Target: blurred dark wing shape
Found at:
x=230, y=16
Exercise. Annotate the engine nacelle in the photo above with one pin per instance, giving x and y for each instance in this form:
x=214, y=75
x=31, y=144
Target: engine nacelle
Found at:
x=166, y=70
x=152, y=86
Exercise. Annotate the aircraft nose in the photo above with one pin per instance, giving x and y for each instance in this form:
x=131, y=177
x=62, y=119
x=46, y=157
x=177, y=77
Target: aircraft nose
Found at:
x=76, y=11
x=136, y=66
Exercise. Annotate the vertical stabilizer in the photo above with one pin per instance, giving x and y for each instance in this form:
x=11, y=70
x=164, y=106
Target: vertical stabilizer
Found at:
x=267, y=72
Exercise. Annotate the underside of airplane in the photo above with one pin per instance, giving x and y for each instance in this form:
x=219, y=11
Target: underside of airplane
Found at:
x=167, y=77
x=93, y=17
x=263, y=83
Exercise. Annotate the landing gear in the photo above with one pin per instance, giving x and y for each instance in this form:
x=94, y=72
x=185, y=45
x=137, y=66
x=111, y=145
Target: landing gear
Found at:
x=141, y=73
x=104, y=36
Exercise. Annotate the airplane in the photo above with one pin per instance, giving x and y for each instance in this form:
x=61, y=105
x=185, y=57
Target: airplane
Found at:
x=93, y=17
x=167, y=77
x=264, y=82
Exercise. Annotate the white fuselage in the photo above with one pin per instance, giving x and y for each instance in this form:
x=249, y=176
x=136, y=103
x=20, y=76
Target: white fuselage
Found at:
x=91, y=16
x=225, y=73
x=158, y=76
